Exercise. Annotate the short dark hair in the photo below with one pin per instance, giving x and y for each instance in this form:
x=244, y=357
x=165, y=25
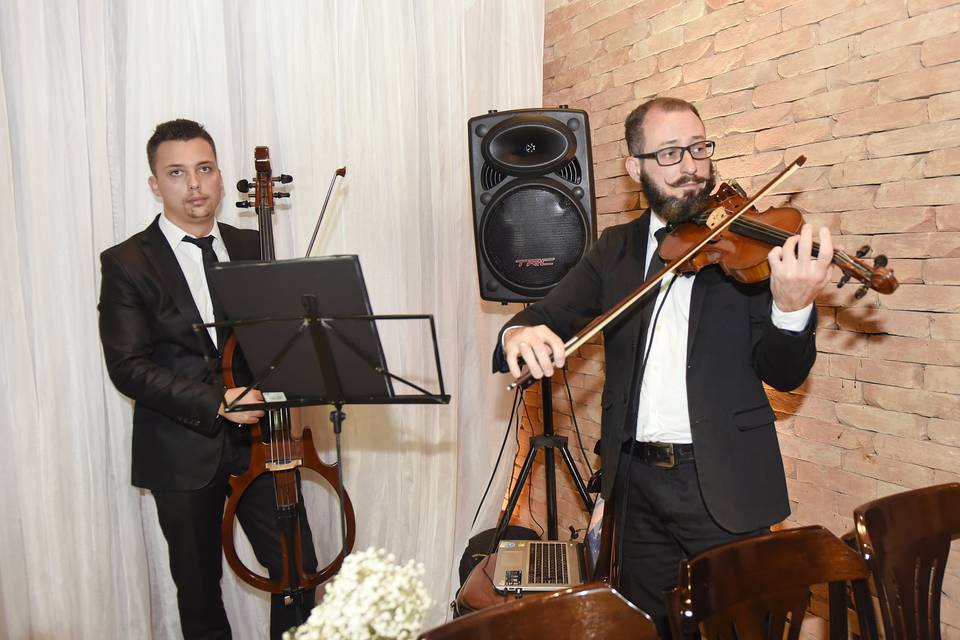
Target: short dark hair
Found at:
x=634, y=123
x=179, y=129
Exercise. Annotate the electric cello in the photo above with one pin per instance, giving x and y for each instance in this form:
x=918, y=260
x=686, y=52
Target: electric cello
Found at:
x=276, y=450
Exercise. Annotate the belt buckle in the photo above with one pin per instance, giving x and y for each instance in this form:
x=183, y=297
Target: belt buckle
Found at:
x=671, y=460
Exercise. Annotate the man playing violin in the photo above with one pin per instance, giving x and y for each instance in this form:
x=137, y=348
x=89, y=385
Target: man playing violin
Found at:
x=688, y=447
x=185, y=445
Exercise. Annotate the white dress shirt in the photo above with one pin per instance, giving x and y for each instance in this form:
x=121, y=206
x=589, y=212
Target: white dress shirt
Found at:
x=190, y=258
x=663, y=415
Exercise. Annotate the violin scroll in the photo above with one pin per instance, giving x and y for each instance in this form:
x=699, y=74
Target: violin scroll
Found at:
x=879, y=277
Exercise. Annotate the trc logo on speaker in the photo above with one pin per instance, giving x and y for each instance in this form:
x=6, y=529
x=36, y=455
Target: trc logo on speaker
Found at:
x=535, y=262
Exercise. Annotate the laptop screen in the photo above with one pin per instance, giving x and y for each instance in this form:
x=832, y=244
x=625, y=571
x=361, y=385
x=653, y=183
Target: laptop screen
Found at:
x=592, y=539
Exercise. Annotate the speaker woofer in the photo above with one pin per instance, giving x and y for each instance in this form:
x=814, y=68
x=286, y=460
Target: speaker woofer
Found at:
x=531, y=234
x=529, y=145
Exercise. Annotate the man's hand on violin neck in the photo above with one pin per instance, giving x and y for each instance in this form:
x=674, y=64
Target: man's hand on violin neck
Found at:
x=796, y=277
x=541, y=349
x=241, y=417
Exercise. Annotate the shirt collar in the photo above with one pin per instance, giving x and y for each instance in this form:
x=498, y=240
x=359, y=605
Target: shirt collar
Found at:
x=174, y=234
x=655, y=225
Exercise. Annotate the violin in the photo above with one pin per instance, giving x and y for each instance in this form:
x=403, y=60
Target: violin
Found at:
x=741, y=250
x=731, y=233
x=275, y=449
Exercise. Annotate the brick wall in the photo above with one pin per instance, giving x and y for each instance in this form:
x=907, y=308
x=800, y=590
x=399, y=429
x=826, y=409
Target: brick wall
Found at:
x=869, y=92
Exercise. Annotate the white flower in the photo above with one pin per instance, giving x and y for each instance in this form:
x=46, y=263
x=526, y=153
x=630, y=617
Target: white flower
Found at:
x=371, y=598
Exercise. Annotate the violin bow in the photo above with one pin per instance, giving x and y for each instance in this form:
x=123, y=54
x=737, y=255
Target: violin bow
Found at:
x=600, y=322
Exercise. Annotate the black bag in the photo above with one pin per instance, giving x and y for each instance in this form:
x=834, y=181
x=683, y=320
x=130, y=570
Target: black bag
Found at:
x=479, y=546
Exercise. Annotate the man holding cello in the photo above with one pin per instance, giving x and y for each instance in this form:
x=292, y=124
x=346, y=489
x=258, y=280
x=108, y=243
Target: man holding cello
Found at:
x=689, y=451
x=185, y=445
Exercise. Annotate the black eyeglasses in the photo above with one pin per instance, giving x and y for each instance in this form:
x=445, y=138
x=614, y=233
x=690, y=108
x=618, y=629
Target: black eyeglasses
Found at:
x=673, y=155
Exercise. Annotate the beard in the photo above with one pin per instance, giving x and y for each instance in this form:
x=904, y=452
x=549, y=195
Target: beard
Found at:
x=674, y=210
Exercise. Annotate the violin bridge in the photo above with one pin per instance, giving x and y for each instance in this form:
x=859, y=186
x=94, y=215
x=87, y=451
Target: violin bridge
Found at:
x=283, y=466
x=716, y=218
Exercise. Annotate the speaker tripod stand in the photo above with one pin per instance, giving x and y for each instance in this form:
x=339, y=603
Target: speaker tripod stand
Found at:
x=548, y=442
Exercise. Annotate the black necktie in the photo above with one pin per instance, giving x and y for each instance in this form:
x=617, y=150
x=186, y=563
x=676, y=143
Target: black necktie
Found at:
x=656, y=263
x=209, y=259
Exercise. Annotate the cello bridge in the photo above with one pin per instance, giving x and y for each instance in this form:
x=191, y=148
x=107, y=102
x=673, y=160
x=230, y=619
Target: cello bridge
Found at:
x=287, y=465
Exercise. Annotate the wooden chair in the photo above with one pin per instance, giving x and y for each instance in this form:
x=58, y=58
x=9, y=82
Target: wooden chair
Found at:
x=905, y=539
x=757, y=588
x=588, y=612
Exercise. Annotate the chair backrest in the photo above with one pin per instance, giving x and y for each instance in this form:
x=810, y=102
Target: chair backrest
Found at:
x=905, y=540
x=759, y=587
x=587, y=612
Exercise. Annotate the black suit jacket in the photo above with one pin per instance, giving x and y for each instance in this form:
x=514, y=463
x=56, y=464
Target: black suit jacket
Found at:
x=154, y=357
x=733, y=347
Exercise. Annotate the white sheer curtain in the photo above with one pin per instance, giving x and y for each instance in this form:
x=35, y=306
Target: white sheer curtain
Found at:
x=384, y=88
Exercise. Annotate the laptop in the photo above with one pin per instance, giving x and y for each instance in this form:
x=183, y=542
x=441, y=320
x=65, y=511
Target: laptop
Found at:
x=254, y=289
x=548, y=565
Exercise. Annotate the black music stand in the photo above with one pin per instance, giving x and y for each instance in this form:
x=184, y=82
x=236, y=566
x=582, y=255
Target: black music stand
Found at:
x=310, y=338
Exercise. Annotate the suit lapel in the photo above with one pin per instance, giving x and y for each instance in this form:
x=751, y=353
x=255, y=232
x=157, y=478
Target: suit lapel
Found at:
x=700, y=284
x=638, y=327
x=240, y=245
x=158, y=251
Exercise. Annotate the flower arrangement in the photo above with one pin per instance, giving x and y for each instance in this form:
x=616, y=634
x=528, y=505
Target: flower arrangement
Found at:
x=371, y=598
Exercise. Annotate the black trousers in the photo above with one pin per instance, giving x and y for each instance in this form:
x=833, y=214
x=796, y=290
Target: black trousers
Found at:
x=191, y=520
x=665, y=522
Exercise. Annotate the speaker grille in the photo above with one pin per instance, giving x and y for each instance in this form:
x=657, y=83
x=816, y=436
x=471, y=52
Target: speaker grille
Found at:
x=571, y=172
x=490, y=177
x=532, y=235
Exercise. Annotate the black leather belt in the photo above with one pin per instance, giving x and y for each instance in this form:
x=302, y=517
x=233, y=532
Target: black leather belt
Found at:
x=659, y=454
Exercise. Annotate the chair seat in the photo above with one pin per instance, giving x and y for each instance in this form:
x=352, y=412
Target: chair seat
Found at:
x=587, y=612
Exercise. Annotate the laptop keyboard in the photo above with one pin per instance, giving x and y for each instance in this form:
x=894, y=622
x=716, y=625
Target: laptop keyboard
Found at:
x=548, y=563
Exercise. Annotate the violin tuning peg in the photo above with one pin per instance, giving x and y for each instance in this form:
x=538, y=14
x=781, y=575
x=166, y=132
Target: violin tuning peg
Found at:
x=243, y=204
x=844, y=279
x=880, y=261
x=863, y=251
x=862, y=291
x=243, y=186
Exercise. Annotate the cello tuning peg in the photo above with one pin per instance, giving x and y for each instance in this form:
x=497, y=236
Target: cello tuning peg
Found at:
x=243, y=204
x=862, y=291
x=283, y=179
x=880, y=261
x=243, y=186
x=863, y=251
x=280, y=194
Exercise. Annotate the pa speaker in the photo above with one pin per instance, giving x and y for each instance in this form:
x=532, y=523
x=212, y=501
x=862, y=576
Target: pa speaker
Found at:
x=531, y=177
